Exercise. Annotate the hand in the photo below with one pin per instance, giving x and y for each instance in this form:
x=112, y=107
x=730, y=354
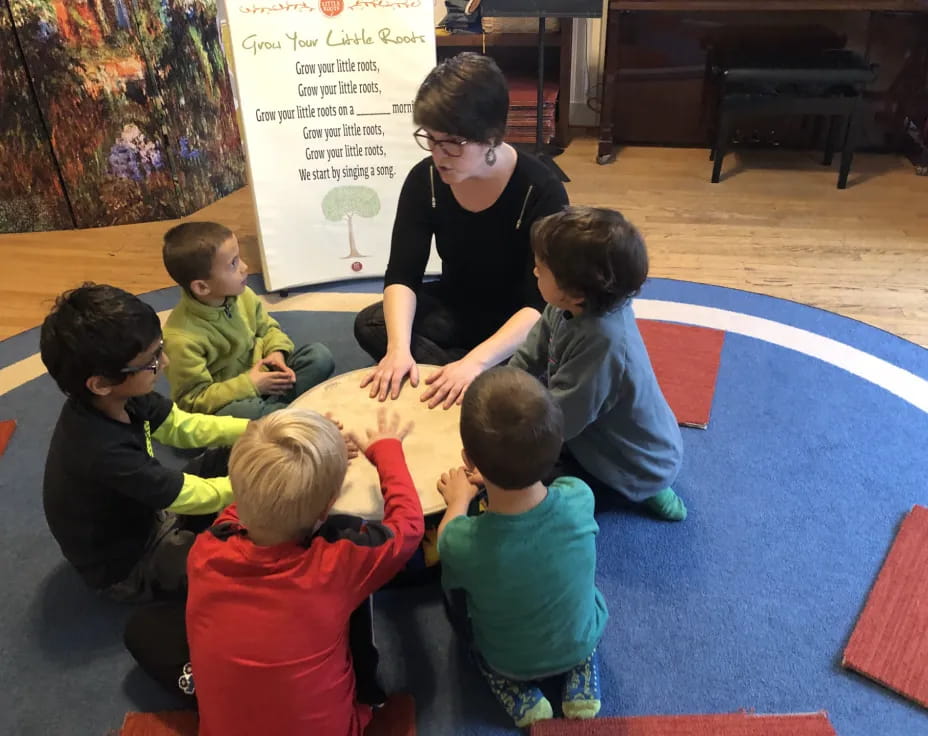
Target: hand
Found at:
x=448, y=383
x=457, y=486
x=389, y=374
x=277, y=362
x=349, y=443
x=385, y=431
x=269, y=383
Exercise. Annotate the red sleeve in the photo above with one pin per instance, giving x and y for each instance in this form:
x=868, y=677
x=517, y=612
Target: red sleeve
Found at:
x=371, y=555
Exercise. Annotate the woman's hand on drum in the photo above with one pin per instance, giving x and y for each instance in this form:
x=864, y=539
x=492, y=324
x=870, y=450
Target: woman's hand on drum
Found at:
x=448, y=384
x=387, y=429
x=387, y=377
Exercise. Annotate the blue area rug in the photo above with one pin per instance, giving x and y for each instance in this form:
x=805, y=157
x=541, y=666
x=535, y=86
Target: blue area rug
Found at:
x=795, y=493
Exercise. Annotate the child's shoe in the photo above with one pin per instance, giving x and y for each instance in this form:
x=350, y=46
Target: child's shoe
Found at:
x=185, y=681
x=580, y=696
x=369, y=692
x=523, y=701
x=666, y=505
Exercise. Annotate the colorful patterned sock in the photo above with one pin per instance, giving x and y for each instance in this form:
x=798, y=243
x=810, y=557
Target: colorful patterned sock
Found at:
x=667, y=505
x=523, y=701
x=430, y=546
x=580, y=696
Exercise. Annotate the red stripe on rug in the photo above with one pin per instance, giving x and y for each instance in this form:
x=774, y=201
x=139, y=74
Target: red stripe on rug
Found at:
x=686, y=362
x=396, y=718
x=728, y=724
x=890, y=642
x=7, y=427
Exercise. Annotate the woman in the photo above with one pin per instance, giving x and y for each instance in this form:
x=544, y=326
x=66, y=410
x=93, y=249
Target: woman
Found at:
x=478, y=197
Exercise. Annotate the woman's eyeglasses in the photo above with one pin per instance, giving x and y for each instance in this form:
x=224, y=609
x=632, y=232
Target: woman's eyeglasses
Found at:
x=152, y=366
x=453, y=147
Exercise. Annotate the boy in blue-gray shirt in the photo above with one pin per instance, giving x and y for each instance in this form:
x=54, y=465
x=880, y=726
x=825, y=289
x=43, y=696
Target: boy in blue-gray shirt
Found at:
x=619, y=430
x=520, y=578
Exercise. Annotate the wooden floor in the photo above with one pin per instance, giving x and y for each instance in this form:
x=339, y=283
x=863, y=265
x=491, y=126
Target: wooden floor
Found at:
x=776, y=225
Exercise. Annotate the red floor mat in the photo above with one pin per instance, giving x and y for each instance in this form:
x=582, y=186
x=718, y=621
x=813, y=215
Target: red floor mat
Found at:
x=396, y=718
x=167, y=723
x=686, y=362
x=729, y=724
x=7, y=427
x=890, y=642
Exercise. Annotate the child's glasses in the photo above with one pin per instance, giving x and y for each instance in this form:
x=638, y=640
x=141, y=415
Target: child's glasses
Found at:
x=453, y=147
x=153, y=366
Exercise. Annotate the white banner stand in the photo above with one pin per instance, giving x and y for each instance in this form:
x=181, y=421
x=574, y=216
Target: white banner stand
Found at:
x=325, y=91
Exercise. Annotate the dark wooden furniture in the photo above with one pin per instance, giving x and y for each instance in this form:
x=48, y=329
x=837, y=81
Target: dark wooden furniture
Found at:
x=541, y=9
x=503, y=45
x=619, y=9
x=828, y=84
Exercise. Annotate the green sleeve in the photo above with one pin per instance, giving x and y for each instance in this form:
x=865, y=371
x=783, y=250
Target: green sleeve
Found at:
x=184, y=430
x=202, y=495
x=268, y=331
x=192, y=385
x=453, y=547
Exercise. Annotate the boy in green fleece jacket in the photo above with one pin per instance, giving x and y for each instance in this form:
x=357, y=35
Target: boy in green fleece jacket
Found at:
x=228, y=356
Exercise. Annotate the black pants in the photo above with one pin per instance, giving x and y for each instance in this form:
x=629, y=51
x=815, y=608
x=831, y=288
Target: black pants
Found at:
x=161, y=571
x=439, y=335
x=156, y=637
x=567, y=464
x=606, y=497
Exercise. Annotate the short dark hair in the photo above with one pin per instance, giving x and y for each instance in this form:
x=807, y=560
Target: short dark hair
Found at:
x=466, y=96
x=511, y=428
x=95, y=330
x=189, y=249
x=593, y=253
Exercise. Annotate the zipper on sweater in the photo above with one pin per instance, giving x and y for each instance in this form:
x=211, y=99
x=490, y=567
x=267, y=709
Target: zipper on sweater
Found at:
x=524, y=202
x=524, y=205
x=227, y=308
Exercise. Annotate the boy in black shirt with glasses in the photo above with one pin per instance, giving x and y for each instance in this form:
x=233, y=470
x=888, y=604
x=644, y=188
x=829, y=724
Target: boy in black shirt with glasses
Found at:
x=120, y=517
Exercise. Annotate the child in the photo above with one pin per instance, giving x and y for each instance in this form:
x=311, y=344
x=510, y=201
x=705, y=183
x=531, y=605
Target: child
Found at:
x=109, y=503
x=227, y=355
x=587, y=349
x=527, y=565
x=274, y=583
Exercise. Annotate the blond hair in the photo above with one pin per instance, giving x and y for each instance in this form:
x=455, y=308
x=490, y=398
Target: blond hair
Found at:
x=285, y=471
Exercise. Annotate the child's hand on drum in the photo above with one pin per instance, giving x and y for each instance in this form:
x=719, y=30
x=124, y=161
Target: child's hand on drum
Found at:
x=386, y=430
x=457, y=486
x=349, y=443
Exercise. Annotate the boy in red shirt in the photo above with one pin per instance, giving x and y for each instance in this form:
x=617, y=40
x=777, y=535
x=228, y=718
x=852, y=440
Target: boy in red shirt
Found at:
x=273, y=584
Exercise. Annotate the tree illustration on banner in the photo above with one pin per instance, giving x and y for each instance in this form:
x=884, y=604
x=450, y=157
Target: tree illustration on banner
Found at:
x=345, y=203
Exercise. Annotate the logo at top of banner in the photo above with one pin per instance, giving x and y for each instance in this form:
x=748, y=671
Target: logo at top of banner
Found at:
x=331, y=8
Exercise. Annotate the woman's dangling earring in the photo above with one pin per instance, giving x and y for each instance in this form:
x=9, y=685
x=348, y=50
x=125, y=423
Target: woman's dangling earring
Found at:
x=490, y=156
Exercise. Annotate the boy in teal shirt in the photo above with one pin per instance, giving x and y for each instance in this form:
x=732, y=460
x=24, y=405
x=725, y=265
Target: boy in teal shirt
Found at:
x=527, y=566
x=228, y=356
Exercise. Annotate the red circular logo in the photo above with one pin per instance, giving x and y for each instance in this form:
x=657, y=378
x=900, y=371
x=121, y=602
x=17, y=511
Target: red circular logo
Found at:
x=331, y=8
x=356, y=266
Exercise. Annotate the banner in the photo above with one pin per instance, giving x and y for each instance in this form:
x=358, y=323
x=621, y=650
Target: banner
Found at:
x=325, y=91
